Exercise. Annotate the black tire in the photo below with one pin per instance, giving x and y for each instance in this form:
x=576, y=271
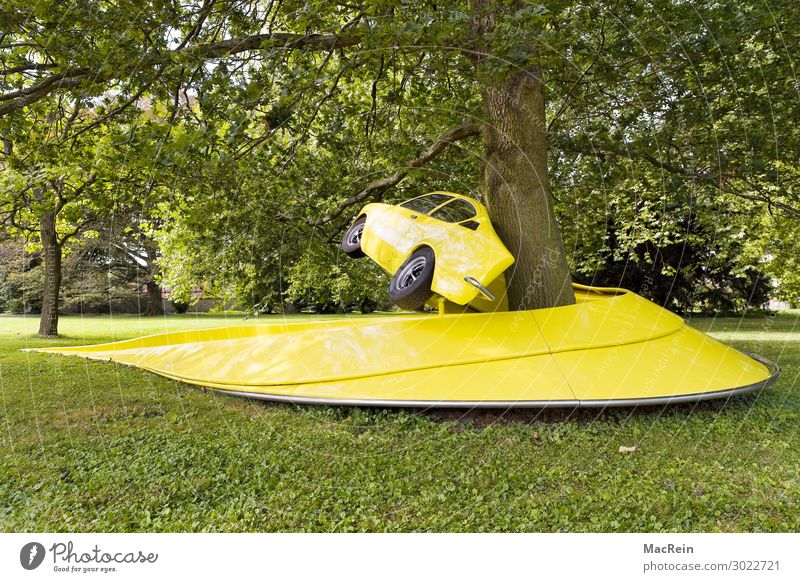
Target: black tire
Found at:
x=410, y=287
x=351, y=241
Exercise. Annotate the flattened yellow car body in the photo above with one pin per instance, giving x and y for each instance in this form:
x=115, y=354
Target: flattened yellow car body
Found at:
x=611, y=348
x=392, y=233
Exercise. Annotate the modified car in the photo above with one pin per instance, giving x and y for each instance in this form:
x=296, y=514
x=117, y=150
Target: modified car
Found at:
x=439, y=244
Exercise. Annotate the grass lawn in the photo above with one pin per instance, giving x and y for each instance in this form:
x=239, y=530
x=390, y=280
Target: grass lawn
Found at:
x=93, y=446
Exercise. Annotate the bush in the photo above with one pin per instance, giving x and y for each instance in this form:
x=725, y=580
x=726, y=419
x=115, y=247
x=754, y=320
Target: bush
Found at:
x=326, y=280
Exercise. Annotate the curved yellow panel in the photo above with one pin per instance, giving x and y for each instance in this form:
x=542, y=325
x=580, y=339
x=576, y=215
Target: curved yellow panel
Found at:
x=684, y=363
x=612, y=347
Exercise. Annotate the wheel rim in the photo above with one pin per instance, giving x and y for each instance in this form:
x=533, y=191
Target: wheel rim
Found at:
x=354, y=238
x=411, y=272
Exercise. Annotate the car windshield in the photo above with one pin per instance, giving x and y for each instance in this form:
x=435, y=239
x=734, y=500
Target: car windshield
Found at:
x=457, y=210
x=425, y=204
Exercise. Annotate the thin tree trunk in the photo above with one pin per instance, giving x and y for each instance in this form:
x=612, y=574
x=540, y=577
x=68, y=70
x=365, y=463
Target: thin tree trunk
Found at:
x=516, y=186
x=48, y=323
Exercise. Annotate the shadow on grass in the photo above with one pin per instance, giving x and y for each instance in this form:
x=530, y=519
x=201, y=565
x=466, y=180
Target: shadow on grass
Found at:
x=483, y=417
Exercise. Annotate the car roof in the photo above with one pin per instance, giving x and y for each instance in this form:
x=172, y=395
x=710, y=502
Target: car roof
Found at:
x=453, y=194
x=480, y=209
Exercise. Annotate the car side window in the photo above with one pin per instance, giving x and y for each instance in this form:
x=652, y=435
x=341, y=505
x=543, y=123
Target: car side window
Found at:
x=458, y=210
x=424, y=204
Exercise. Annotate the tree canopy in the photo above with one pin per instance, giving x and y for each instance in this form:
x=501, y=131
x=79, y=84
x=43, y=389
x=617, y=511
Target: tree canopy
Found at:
x=239, y=138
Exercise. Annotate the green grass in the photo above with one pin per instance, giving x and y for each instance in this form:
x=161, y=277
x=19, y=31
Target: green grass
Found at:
x=93, y=446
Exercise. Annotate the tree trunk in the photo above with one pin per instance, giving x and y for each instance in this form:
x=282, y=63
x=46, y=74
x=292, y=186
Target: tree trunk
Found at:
x=155, y=303
x=48, y=323
x=516, y=186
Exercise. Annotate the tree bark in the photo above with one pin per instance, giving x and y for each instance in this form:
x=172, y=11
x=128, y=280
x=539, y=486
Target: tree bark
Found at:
x=516, y=186
x=48, y=322
x=155, y=303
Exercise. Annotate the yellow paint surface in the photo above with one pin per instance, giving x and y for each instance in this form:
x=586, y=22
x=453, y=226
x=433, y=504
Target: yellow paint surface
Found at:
x=611, y=345
x=392, y=233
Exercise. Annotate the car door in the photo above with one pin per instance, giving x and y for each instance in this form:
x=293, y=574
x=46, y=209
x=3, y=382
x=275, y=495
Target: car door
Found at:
x=411, y=226
x=466, y=246
x=449, y=232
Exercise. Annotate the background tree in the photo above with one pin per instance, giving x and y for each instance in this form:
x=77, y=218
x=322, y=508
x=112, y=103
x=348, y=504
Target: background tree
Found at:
x=50, y=196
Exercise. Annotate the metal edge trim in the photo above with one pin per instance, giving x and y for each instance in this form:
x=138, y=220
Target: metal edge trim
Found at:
x=404, y=403
x=775, y=373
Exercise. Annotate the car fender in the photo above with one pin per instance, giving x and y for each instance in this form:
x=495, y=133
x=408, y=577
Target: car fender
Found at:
x=452, y=267
x=383, y=236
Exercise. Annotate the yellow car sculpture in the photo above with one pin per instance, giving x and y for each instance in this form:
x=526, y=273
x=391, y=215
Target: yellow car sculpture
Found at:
x=611, y=348
x=440, y=243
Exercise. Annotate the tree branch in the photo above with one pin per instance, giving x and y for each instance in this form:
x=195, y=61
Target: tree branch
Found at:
x=47, y=82
x=377, y=188
x=285, y=40
x=38, y=91
x=71, y=77
x=27, y=67
x=721, y=181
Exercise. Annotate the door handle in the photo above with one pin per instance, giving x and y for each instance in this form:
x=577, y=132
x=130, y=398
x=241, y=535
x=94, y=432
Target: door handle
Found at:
x=413, y=216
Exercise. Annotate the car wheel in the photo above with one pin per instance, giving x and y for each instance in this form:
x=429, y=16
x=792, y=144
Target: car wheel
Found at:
x=351, y=241
x=410, y=287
